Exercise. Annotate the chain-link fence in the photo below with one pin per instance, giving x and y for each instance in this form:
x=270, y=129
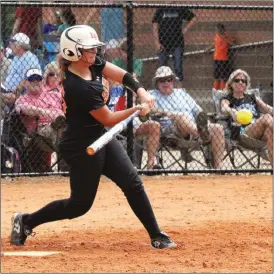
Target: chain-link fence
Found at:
x=183, y=52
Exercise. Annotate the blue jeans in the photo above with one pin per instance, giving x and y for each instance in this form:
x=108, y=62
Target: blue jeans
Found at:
x=177, y=57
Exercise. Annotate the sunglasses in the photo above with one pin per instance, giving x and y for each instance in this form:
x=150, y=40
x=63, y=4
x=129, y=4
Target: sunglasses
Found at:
x=52, y=74
x=240, y=80
x=35, y=79
x=166, y=80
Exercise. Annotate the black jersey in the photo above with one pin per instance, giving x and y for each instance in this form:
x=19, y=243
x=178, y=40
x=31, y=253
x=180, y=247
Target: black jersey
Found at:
x=246, y=102
x=170, y=22
x=83, y=96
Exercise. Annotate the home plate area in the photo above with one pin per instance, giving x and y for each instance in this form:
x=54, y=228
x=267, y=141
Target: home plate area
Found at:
x=221, y=224
x=29, y=253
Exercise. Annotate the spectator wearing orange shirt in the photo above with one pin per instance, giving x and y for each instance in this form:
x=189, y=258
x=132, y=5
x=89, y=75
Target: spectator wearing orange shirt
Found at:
x=221, y=67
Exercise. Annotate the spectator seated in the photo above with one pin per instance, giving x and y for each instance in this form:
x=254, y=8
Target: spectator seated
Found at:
x=39, y=103
x=41, y=114
x=251, y=142
x=52, y=83
x=180, y=116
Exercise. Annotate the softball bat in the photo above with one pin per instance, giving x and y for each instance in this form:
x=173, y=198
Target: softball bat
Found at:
x=109, y=135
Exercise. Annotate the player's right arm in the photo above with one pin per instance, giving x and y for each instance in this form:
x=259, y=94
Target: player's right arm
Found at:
x=109, y=118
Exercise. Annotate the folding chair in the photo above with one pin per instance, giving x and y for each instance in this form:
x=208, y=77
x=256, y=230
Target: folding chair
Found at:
x=242, y=148
x=246, y=150
x=176, y=152
x=34, y=150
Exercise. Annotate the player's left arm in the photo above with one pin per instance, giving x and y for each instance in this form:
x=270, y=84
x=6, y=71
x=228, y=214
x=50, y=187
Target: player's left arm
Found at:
x=113, y=72
x=121, y=76
x=263, y=106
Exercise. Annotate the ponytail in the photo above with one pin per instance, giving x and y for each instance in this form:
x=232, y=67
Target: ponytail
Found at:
x=63, y=64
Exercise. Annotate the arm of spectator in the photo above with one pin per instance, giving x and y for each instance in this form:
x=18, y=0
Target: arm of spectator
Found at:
x=189, y=25
x=264, y=107
x=233, y=41
x=58, y=32
x=197, y=110
x=8, y=98
x=60, y=29
x=226, y=109
x=18, y=90
x=156, y=36
x=229, y=39
x=164, y=112
x=208, y=49
x=16, y=25
x=31, y=110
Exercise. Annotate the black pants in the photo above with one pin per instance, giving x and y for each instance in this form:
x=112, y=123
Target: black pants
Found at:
x=221, y=70
x=85, y=173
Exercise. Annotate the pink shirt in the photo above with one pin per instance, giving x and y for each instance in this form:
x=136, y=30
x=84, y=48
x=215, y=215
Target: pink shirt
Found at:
x=43, y=100
x=58, y=91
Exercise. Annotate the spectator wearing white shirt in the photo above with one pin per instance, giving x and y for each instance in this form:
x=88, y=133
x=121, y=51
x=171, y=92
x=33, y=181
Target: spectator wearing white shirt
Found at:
x=183, y=116
x=23, y=60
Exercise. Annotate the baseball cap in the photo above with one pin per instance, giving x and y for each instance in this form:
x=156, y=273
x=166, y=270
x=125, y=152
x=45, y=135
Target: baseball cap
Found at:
x=34, y=74
x=21, y=38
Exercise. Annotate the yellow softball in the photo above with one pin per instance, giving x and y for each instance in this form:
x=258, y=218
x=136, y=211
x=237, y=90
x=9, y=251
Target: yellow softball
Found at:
x=244, y=117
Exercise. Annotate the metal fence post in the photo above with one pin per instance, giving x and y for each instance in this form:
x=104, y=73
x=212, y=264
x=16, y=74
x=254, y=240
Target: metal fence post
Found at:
x=130, y=135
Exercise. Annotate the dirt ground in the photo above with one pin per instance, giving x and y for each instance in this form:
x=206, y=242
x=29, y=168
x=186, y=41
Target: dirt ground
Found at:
x=220, y=223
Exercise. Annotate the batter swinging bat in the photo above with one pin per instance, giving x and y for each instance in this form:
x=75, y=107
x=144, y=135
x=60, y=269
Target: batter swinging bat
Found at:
x=109, y=135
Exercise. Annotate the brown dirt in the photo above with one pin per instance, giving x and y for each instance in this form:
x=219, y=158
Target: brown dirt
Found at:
x=220, y=223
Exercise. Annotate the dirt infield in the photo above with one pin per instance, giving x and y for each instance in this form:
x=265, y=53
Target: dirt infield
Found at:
x=220, y=223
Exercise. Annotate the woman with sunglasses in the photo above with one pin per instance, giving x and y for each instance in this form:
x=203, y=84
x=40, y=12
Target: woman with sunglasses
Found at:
x=52, y=83
x=87, y=116
x=261, y=126
x=53, y=87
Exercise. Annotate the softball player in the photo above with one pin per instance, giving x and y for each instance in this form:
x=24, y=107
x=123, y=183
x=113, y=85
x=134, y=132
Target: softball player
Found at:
x=87, y=116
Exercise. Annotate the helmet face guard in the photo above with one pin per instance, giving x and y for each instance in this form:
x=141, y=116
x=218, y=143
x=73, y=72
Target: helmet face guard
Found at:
x=78, y=37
